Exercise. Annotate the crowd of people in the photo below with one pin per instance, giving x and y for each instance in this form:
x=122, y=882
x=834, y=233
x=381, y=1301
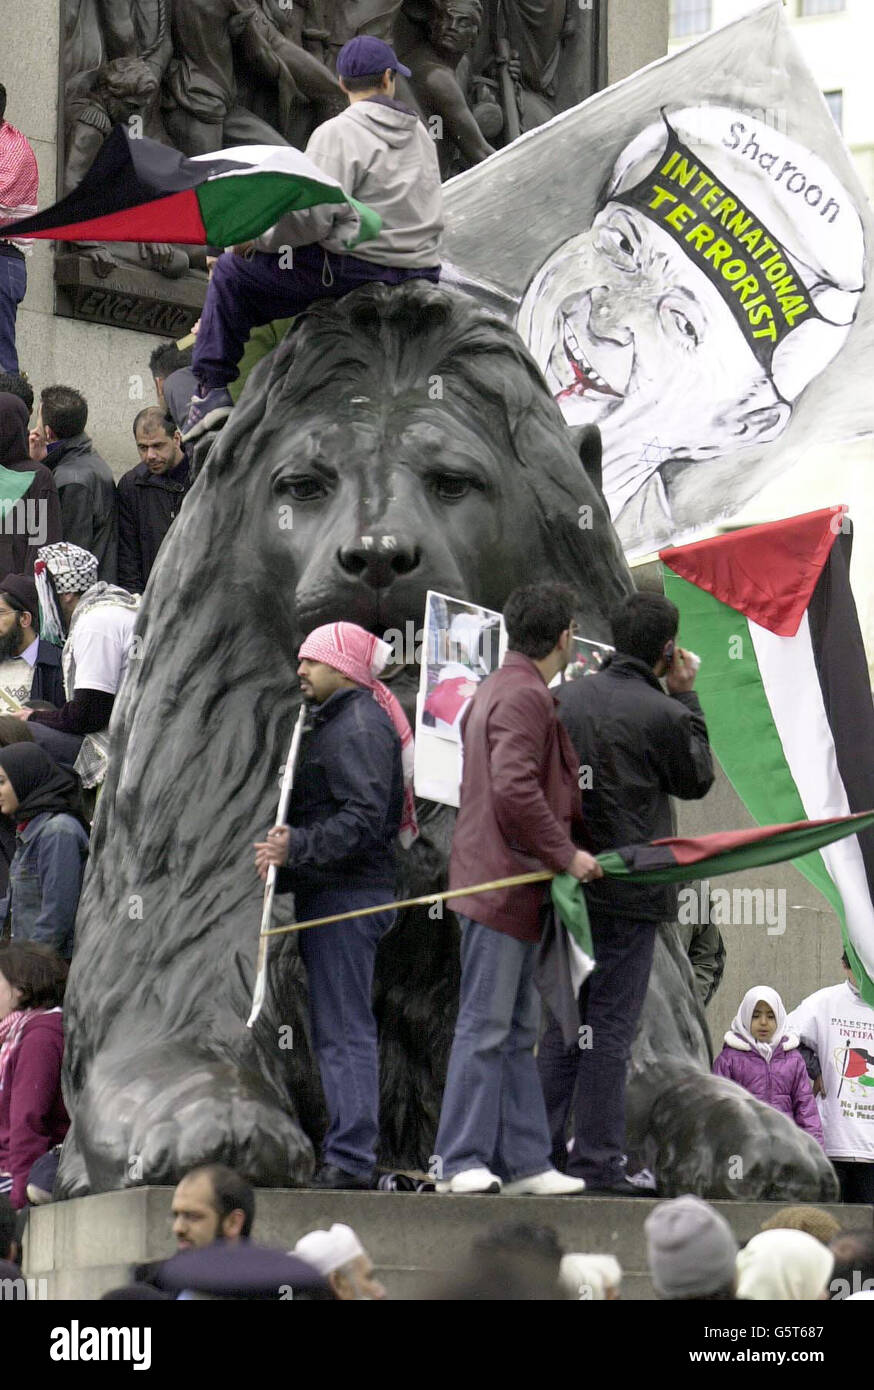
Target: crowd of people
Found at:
x=799, y=1254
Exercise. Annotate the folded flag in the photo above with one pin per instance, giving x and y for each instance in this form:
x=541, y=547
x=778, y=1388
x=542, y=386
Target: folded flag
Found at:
x=787, y=693
x=141, y=190
x=566, y=959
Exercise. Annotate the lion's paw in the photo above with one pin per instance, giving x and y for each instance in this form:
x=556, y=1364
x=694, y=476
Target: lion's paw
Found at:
x=715, y=1140
x=177, y=1111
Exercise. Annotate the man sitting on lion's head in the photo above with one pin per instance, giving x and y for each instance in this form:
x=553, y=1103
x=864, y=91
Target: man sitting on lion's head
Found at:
x=720, y=276
x=381, y=154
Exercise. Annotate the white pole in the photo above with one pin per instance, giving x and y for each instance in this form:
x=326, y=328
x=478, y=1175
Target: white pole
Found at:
x=270, y=885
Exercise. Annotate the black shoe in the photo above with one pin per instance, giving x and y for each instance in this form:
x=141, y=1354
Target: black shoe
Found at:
x=620, y=1188
x=330, y=1176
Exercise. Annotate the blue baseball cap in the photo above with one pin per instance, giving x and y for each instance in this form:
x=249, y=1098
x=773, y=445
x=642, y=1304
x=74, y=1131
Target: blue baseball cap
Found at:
x=368, y=57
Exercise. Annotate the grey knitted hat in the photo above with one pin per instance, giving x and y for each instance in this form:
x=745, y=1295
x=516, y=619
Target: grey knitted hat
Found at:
x=691, y=1249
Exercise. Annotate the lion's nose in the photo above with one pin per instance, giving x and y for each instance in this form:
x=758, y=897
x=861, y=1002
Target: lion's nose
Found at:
x=382, y=561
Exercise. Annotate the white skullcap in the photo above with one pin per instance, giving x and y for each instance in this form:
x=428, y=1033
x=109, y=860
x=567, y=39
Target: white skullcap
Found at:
x=589, y=1276
x=810, y=212
x=328, y=1250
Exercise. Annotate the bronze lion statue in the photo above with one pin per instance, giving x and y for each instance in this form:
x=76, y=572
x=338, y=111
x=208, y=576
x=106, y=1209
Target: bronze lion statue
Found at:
x=397, y=440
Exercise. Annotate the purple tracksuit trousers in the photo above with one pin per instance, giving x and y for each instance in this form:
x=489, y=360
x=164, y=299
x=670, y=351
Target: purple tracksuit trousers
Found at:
x=244, y=293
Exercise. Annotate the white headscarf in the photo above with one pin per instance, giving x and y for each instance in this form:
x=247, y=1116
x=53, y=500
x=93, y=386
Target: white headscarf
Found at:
x=589, y=1276
x=329, y=1250
x=783, y=1265
x=740, y=1024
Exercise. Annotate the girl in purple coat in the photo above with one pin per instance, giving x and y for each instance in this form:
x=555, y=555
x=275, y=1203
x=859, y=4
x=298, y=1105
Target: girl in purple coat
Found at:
x=762, y=1055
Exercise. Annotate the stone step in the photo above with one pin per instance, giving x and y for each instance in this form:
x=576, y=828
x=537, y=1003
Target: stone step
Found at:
x=84, y=1247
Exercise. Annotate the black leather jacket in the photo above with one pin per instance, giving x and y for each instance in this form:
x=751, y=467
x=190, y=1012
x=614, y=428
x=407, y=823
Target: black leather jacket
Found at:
x=637, y=747
x=347, y=798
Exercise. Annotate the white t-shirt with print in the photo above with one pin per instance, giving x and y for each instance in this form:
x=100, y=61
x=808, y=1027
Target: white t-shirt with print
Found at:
x=839, y=1025
x=101, y=645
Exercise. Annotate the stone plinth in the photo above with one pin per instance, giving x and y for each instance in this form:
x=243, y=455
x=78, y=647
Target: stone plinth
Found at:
x=84, y=1247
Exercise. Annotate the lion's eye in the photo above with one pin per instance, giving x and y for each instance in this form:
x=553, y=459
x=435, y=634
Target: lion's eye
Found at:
x=450, y=487
x=302, y=489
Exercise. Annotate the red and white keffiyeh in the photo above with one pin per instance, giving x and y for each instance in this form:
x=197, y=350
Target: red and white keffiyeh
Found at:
x=356, y=653
x=19, y=181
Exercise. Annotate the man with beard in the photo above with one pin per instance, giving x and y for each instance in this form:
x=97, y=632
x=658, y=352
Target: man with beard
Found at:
x=342, y=1260
x=720, y=276
x=149, y=496
x=30, y=669
x=352, y=797
x=98, y=621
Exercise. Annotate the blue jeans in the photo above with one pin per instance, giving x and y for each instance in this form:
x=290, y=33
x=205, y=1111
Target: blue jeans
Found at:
x=592, y=1079
x=13, y=283
x=493, y=1114
x=339, y=960
x=245, y=293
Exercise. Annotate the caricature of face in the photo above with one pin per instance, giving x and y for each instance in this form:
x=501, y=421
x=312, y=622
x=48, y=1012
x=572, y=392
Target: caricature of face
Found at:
x=631, y=336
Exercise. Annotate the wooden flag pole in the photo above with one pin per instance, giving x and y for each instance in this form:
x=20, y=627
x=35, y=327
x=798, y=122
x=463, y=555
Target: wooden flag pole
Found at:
x=540, y=877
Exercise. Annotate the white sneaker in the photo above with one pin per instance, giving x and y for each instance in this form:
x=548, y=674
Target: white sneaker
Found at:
x=548, y=1184
x=470, y=1181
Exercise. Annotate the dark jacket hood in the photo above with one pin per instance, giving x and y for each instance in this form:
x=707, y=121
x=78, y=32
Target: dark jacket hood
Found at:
x=13, y=430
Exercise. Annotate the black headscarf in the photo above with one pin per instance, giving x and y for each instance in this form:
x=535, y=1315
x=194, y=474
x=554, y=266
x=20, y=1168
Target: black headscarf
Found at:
x=38, y=782
x=13, y=430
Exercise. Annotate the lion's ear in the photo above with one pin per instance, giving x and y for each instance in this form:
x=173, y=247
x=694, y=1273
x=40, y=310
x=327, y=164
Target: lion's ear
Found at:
x=587, y=442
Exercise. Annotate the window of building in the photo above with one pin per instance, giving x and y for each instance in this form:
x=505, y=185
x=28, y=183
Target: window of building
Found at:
x=811, y=7
x=835, y=104
x=690, y=17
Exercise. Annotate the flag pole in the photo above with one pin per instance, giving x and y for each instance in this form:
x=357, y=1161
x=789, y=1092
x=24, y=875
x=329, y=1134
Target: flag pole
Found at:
x=270, y=884
x=426, y=900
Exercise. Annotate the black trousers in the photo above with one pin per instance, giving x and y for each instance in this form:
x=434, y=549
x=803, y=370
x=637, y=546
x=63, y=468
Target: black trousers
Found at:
x=856, y=1179
x=591, y=1077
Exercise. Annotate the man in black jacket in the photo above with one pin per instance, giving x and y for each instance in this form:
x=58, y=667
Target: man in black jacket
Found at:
x=637, y=747
x=84, y=480
x=336, y=854
x=149, y=496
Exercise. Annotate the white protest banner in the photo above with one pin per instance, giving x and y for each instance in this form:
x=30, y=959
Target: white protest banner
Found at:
x=463, y=643
x=687, y=256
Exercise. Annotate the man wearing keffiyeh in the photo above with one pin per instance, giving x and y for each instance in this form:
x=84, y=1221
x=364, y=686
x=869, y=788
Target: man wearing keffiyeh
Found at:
x=97, y=620
x=352, y=797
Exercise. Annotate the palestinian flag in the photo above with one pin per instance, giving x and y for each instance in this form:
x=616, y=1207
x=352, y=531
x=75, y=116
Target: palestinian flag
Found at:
x=785, y=686
x=141, y=190
x=855, y=1064
x=566, y=959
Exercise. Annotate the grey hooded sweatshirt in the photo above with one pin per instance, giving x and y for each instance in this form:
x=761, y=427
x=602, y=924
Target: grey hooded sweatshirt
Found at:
x=381, y=154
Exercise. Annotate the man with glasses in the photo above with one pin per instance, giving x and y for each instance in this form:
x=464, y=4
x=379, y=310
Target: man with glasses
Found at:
x=30, y=669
